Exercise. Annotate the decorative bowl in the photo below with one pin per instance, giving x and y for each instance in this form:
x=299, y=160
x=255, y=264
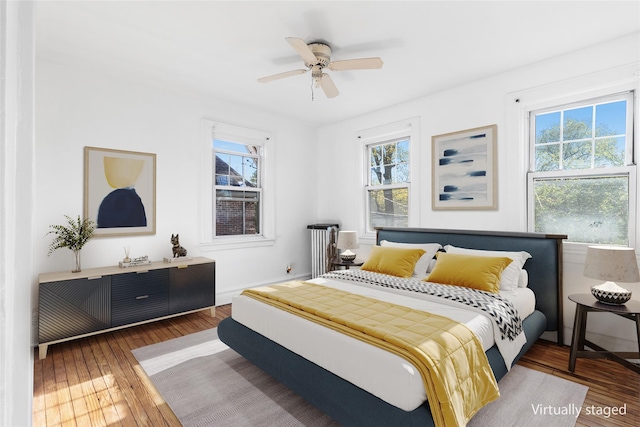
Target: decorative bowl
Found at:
x=607, y=296
x=348, y=258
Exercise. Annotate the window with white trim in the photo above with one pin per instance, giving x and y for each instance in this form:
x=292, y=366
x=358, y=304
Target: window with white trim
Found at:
x=237, y=187
x=388, y=183
x=582, y=172
x=237, y=191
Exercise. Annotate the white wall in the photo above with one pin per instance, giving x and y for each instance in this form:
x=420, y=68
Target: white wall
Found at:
x=485, y=102
x=16, y=207
x=79, y=107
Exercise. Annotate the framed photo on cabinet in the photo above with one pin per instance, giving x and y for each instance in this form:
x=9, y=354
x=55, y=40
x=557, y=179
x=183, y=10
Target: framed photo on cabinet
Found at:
x=464, y=169
x=120, y=191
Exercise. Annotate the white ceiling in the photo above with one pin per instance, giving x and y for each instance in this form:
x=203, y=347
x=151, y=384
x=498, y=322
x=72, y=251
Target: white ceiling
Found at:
x=221, y=48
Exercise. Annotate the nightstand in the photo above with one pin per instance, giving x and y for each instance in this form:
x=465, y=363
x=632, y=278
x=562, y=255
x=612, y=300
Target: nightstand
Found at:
x=340, y=263
x=586, y=303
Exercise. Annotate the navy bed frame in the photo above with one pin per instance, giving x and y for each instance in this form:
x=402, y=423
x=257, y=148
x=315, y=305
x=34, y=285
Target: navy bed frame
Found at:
x=353, y=406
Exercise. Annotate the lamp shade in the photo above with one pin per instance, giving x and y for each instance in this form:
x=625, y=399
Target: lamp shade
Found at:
x=612, y=264
x=347, y=240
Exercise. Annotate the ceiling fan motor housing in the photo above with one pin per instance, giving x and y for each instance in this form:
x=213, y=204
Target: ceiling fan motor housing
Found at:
x=322, y=53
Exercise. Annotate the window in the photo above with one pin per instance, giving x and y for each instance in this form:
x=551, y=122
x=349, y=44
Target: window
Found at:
x=237, y=188
x=582, y=173
x=237, y=201
x=387, y=189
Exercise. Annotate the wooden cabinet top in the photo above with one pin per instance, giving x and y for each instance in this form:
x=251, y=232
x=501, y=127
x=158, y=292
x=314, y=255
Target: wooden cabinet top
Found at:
x=114, y=269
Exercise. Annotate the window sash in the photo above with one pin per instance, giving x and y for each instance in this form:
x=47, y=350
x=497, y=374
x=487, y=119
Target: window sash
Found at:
x=246, y=197
x=627, y=171
x=627, y=96
x=232, y=193
x=591, y=170
x=400, y=160
x=383, y=218
x=405, y=161
x=407, y=129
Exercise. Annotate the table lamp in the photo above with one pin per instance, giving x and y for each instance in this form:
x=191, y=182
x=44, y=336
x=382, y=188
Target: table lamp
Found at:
x=611, y=264
x=347, y=240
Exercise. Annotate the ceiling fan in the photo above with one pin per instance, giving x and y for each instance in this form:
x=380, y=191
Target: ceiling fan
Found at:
x=317, y=57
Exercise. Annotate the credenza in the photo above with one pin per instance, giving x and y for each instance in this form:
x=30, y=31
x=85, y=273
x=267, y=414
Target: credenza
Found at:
x=98, y=300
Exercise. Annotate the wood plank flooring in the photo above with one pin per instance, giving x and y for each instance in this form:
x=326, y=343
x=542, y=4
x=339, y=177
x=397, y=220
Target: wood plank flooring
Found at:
x=96, y=381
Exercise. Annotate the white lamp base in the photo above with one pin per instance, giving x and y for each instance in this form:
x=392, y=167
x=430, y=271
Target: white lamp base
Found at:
x=347, y=256
x=611, y=293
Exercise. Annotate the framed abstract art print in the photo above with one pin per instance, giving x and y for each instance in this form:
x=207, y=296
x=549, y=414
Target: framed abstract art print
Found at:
x=120, y=191
x=464, y=169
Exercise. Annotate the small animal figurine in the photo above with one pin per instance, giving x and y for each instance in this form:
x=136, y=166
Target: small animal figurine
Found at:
x=178, y=250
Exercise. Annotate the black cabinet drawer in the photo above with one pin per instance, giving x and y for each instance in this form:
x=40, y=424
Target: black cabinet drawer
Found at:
x=192, y=287
x=134, y=284
x=139, y=308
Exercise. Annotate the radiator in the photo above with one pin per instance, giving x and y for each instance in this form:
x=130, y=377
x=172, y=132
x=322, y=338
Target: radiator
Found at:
x=323, y=247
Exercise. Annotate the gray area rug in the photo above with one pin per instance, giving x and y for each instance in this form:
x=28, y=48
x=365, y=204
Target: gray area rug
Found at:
x=531, y=398
x=207, y=384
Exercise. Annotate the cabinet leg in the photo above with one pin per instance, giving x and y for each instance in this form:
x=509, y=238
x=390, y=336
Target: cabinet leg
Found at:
x=213, y=312
x=42, y=351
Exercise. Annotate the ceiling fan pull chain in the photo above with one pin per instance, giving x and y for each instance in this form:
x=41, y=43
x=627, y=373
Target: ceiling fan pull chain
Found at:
x=312, y=98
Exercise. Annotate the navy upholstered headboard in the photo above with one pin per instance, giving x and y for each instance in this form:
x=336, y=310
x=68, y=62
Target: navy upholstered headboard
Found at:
x=544, y=267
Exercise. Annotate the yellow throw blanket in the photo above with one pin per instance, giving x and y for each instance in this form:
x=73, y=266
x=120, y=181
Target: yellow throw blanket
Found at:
x=456, y=373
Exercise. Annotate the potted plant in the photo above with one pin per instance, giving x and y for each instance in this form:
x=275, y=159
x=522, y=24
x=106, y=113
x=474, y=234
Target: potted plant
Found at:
x=74, y=235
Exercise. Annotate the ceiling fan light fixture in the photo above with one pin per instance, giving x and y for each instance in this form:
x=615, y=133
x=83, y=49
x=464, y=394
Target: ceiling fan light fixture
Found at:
x=316, y=75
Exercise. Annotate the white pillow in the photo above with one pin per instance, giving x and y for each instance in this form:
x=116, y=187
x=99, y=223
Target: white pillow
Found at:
x=523, y=279
x=421, y=267
x=511, y=275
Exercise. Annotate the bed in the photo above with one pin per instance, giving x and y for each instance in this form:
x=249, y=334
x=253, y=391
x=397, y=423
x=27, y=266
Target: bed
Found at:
x=340, y=377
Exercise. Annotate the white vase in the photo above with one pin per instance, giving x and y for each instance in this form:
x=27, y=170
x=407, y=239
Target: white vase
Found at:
x=76, y=260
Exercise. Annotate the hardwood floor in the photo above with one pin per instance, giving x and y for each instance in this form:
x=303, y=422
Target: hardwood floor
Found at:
x=96, y=381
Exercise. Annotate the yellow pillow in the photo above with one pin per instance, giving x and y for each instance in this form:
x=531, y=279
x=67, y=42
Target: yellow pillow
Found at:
x=472, y=271
x=394, y=261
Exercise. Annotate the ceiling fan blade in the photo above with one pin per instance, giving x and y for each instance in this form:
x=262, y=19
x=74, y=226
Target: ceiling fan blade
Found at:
x=356, y=64
x=278, y=76
x=328, y=86
x=303, y=50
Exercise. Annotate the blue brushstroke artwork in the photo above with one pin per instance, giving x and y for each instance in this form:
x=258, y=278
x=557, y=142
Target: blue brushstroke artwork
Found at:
x=462, y=175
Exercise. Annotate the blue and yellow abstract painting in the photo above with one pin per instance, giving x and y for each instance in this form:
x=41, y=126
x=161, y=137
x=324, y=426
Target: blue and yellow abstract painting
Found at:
x=122, y=207
x=120, y=191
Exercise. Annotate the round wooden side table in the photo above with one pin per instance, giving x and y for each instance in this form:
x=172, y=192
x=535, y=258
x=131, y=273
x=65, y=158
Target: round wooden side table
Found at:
x=346, y=264
x=586, y=303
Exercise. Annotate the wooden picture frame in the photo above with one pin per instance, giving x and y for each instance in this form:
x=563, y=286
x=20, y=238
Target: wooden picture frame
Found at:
x=120, y=191
x=464, y=169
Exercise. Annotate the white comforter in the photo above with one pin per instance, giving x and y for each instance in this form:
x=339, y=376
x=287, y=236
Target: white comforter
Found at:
x=385, y=375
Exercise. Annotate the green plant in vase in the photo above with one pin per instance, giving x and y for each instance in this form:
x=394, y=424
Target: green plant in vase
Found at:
x=73, y=235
